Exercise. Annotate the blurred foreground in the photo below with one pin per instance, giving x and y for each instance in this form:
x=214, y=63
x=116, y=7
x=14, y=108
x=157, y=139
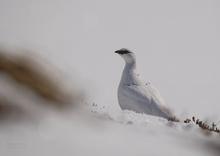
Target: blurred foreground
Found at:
x=29, y=82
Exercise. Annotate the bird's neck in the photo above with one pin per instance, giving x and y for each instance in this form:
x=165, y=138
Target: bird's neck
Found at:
x=130, y=66
x=129, y=76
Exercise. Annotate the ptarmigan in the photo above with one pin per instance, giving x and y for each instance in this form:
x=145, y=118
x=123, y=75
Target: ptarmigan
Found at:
x=137, y=96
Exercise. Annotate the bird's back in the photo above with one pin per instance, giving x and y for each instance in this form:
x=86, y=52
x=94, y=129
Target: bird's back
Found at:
x=143, y=99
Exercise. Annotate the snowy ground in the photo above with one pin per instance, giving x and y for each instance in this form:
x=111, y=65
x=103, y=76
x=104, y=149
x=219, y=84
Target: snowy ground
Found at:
x=87, y=131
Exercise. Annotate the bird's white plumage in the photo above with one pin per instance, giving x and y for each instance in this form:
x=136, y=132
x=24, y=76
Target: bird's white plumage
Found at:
x=135, y=95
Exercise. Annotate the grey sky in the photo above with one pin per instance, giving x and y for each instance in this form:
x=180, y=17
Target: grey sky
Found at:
x=176, y=43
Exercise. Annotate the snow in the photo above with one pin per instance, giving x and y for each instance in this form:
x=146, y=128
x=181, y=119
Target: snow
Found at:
x=84, y=132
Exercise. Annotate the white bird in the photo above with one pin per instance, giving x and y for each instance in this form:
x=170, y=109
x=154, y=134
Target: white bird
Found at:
x=137, y=96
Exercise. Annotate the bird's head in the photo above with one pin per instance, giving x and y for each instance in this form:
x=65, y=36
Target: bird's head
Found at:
x=127, y=55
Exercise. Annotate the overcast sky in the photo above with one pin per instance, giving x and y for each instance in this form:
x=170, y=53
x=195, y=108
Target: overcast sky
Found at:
x=176, y=43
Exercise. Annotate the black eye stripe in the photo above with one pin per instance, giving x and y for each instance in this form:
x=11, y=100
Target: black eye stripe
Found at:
x=122, y=51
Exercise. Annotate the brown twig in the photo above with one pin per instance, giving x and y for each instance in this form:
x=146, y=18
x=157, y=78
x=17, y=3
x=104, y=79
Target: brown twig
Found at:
x=203, y=125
